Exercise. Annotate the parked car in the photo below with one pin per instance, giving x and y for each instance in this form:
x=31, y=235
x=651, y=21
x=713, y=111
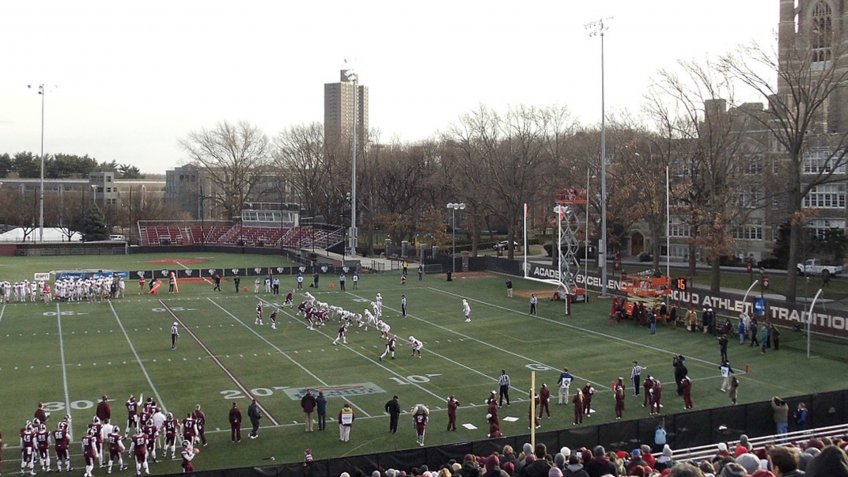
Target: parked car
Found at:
x=504, y=244
x=813, y=267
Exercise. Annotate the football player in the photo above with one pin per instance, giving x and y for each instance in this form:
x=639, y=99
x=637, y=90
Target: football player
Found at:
x=416, y=346
x=61, y=439
x=132, y=413
x=200, y=418
x=116, y=448
x=390, y=347
x=89, y=451
x=187, y=454
x=42, y=441
x=170, y=426
x=150, y=432
x=189, y=428
x=139, y=450
x=258, y=320
x=28, y=449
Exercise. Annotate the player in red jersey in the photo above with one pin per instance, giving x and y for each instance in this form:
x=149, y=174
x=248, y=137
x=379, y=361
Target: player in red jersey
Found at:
x=189, y=428
x=618, y=391
x=452, y=405
x=42, y=442
x=656, y=396
x=98, y=437
x=289, y=297
x=28, y=449
x=89, y=451
x=273, y=318
x=116, y=448
x=342, y=335
x=139, y=450
x=390, y=347
x=259, y=308
x=132, y=413
x=170, y=425
x=148, y=409
x=60, y=447
x=188, y=454
x=200, y=418
x=150, y=432
x=420, y=417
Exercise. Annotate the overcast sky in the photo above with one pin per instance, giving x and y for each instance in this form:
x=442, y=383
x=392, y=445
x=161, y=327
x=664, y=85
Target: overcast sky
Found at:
x=127, y=80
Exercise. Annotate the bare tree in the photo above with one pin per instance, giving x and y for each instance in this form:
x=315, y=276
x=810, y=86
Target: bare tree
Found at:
x=233, y=157
x=299, y=154
x=802, y=119
x=507, y=157
x=689, y=109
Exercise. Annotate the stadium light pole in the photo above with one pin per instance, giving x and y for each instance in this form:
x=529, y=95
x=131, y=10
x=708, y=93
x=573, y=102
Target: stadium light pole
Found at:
x=597, y=29
x=351, y=76
x=454, y=206
x=42, y=90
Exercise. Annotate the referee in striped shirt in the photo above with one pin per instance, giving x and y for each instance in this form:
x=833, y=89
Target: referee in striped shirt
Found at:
x=503, y=382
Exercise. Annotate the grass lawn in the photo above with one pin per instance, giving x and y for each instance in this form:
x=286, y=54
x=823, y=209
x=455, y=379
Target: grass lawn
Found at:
x=69, y=354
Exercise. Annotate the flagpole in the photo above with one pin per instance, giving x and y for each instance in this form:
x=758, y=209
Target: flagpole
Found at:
x=525, y=240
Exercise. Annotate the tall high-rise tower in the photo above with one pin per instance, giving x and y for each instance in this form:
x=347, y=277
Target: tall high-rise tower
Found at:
x=339, y=116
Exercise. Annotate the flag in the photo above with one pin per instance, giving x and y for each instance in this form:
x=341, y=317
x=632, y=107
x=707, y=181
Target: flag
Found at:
x=525, y=210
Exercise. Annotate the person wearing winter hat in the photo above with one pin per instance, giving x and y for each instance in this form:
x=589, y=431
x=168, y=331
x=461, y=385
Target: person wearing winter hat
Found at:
x=743, y=446
x=540, y=467
x=493, y=467
x=566, y=452
x=832, y=462
x=665, y=461
x=554, y=472
x=559, y=460
x=509, y=468
x=574, y=468
x=635, y=461
x=647, y=456
x=600, y=463
x=749, y=461
x=733, y=470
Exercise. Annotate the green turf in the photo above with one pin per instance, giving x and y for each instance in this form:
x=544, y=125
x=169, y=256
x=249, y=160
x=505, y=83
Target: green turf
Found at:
x=459, y=358
x=22, y=268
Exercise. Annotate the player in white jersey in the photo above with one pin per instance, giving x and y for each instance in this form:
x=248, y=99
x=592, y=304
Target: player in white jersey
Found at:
x=466, y=310
x=416, y=346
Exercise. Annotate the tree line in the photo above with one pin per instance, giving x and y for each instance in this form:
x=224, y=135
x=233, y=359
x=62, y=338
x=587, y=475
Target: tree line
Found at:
x=27, y=165
x=734, y=167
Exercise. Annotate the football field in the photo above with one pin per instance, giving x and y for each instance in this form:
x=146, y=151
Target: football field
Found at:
x=68, y=355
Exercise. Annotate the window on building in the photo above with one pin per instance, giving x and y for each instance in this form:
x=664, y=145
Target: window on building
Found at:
x=753, y=164
x=821, y=226
x=822, y=161
x=821, y=34
x=826, y=196
x=676, y=228
x=753, y=230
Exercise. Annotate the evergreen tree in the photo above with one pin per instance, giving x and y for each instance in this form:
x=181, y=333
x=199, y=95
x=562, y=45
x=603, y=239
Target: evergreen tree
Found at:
x=94, y=226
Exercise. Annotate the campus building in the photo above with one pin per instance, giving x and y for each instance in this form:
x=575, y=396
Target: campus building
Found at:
x=339, y=117
x=818, y=28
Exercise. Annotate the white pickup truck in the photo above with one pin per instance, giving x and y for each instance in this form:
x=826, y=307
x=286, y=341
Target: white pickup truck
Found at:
x=814, y=267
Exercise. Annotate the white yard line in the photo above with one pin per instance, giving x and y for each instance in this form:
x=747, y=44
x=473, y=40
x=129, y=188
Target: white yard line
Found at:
x=218, y=362
x=62, y=356
x=137, y=358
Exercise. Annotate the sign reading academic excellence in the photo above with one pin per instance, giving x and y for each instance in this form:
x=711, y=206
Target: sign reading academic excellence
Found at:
x=822, y=322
